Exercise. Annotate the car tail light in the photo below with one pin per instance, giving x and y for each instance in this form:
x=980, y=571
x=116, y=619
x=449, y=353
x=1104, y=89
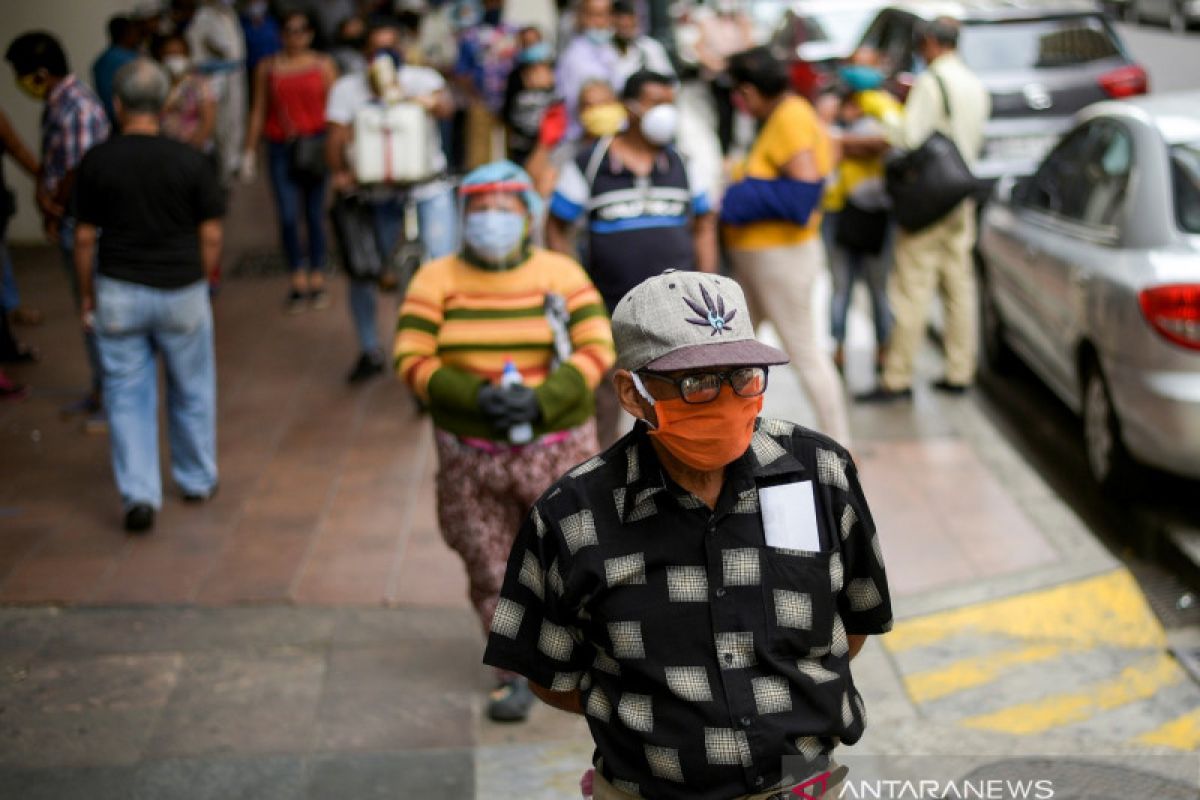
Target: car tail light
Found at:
x=1125, y=82
x=1174, y=311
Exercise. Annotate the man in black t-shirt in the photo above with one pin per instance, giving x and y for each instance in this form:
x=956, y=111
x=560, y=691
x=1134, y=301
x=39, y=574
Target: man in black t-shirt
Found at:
x=154, y=206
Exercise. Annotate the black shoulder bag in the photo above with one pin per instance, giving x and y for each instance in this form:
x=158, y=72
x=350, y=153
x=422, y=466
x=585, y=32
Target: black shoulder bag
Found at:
x=927, y=183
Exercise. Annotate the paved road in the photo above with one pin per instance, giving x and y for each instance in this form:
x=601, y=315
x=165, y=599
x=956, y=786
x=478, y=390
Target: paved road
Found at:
x=1047, y=434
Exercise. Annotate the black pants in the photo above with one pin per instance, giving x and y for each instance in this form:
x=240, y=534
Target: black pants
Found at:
x=722, y=94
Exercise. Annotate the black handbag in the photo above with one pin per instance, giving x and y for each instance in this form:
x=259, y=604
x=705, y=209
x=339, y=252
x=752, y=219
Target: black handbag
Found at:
x=306, y=158
x=353, y=226
x=927, y=183
x=861, y=231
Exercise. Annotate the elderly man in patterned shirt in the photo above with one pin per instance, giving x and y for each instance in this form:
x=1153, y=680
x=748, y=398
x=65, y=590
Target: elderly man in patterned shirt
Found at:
x=697, y=590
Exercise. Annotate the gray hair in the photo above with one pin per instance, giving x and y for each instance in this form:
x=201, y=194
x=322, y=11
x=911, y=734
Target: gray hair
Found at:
x=141, y=86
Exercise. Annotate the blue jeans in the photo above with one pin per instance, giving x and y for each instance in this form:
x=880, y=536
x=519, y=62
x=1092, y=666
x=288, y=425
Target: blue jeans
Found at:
x=66, y=244
x=436, y=220
x=291, y=198
x=10, y=296
x=134, y=323
x=848, y=268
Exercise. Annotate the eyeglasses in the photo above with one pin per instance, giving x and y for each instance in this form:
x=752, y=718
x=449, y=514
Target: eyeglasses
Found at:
x=704, y=387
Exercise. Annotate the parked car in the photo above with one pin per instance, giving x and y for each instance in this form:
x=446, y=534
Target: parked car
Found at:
x=1089, y=271
x=814, y=36
x=1178, y=14
x=1041, y=62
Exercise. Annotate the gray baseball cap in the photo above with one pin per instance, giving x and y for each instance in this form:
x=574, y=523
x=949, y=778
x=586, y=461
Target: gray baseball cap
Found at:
x=687, y=320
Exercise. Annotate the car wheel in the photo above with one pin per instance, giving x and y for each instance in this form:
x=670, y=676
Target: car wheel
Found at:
x=996, y=354
x=1108, y=461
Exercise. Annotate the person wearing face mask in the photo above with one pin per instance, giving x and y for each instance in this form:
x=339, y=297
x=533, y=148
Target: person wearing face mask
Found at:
x=772, y=224
x=219, y=52
x=699, y=589
x=263, y=37
x=638, y=196
x=190, y=112
x=637, y=52
x=722, y=33
x=501, y=304
x=388, y=80
x=290, y=90
x=123, y=36
x=590, y=55
x=601, y=115
x=73, y=121
x=487, y=53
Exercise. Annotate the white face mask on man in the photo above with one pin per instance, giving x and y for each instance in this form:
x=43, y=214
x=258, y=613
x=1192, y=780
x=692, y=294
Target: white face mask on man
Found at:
x=177, y=65
x=660, y=124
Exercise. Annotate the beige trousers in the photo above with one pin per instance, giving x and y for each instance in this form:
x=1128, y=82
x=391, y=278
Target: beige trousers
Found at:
x=779, y=283
x=936, y=257
x=485, y=136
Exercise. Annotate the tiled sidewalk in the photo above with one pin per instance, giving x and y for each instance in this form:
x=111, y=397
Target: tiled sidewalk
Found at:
x=306, y=634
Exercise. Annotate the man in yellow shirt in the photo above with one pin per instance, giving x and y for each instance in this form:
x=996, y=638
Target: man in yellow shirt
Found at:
x=772, y=228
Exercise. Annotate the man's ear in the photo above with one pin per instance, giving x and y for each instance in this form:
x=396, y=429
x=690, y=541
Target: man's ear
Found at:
x=631, y=400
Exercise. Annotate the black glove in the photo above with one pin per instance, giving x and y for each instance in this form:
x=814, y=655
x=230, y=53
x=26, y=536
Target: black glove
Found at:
x=522, y=405
x=506, y=407
x=492, y=405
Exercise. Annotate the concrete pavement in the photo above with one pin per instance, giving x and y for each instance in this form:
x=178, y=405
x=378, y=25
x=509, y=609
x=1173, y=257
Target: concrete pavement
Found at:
x=306, y=634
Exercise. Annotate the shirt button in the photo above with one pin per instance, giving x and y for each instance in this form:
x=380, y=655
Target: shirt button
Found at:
x=745, y=722
x=721, y=591
x=758, y=781
x=728, y=658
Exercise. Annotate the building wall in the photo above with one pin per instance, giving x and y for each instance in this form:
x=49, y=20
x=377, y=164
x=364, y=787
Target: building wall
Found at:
x=81, y=25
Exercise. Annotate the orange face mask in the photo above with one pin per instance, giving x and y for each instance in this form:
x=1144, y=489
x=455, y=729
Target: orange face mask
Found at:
x=705, y=436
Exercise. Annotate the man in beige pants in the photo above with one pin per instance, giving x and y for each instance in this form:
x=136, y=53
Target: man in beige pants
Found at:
x=938, y=256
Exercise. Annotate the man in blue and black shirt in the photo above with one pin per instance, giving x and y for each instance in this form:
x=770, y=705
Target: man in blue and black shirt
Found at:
x=642, y=209
x=636, y=196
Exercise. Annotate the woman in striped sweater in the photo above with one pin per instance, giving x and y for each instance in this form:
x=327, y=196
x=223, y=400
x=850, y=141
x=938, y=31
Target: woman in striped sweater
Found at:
x=505, y=343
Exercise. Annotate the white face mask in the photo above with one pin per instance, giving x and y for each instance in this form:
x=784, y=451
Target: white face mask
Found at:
x=177, y=66
x=660, y=124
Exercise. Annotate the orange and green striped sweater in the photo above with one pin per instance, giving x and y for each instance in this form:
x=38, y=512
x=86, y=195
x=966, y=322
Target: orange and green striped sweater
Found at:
x=459, y=324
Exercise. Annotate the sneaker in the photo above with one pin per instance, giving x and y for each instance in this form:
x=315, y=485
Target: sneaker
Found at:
x=510, y=701
x=945, y=386
x=318, y=299
x=87, y=405
x=11, y=390
x=882, y=395
x=296, y=302
x=368, y=366
x=139, y=518
x=200, y=497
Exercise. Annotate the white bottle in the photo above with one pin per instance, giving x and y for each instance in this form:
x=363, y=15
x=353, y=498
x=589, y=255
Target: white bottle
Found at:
x=522, y=432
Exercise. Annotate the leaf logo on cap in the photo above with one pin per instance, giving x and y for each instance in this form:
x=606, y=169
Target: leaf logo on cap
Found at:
x=712, y=314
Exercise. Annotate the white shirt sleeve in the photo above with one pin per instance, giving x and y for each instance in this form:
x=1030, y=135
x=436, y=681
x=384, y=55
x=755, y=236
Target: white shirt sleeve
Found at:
x=345, y=99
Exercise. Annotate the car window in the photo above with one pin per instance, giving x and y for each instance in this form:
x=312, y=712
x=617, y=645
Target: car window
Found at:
x=1085, y=178
x=1037, y=44
x=1185, y=185
x=891, y=36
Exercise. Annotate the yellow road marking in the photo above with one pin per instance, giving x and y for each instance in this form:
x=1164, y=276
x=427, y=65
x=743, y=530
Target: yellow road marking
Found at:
x=1138, y=682
x=968, y=673
x=1108, y=609
x=1181, y=733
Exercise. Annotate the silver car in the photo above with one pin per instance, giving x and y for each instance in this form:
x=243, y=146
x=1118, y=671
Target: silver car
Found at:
x=1090, y=273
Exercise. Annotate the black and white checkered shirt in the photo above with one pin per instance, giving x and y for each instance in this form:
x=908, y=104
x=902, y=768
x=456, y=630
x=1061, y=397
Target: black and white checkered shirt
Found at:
x=704, y=656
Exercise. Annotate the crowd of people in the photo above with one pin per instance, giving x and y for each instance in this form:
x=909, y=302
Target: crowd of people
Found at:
x=573, y=234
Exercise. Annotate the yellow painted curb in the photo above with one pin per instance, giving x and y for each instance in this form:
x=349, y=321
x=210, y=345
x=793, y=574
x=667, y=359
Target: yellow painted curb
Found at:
x=1108, y=610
